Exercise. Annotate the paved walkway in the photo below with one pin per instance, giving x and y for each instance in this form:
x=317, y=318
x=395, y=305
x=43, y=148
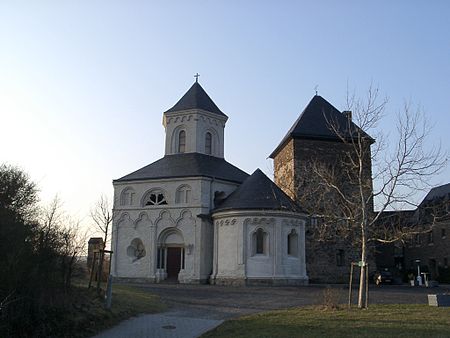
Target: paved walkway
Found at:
x=196, y=309
x=167, y=325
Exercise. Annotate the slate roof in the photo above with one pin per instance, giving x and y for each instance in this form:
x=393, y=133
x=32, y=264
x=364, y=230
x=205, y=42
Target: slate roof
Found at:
x=258, y=192
x=188, y=165
x=437, y=192
x=314, y=123
x=196, y=98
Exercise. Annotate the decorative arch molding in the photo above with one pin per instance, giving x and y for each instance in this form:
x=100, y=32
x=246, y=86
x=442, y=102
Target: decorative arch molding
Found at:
x=226, y=222
x=143, y=220
x=293, y=222
x=124, y=220
x=127, y=196
x=155, y=191
x=178, y=119
x=171, y=236
x=209, y=120
x=165, y=220
x=175, y=137
x=262, y=221
x=185, y=219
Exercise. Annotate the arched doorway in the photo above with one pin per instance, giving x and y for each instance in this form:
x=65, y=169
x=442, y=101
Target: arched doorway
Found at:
x=170, y=258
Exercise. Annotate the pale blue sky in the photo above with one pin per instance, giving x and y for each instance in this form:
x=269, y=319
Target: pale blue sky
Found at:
x=83, y=84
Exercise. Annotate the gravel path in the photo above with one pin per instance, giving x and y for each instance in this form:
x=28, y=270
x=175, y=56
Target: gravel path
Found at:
x=195, y=309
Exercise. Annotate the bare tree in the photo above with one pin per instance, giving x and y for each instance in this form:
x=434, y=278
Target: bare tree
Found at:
x=61, y=232
x=102, y=215
x=343, y=195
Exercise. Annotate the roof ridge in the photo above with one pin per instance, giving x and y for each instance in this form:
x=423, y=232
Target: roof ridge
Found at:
x=314, y=123
x=258, y=192
x=196, y=98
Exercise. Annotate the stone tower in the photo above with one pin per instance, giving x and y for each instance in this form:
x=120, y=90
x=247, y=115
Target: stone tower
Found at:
x=318, y=137
x=195, y=125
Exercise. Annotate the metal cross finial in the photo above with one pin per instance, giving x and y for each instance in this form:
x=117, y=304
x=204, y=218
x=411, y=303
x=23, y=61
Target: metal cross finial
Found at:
x=316, y=88
x=196, y=77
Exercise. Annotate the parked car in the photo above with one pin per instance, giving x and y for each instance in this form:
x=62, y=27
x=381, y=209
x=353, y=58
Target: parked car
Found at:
x=383, y=277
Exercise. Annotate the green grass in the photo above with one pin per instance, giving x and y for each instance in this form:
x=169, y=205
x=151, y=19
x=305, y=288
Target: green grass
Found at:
x=377, y=321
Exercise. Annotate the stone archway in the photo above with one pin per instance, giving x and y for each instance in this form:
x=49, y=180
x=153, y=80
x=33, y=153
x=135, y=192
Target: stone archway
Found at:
x=170, y=258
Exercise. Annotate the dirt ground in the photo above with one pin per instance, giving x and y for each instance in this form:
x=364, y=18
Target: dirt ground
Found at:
x=216, y=302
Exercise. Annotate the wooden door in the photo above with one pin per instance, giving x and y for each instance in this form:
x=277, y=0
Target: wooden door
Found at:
x=173, y=262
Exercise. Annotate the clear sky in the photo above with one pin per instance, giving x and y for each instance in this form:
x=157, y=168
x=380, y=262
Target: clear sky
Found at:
x=83, y=84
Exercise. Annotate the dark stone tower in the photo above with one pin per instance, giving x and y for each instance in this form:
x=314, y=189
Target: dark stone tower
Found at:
x=318, y=137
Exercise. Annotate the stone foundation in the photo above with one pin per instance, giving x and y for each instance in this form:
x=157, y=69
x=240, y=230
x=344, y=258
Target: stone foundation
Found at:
x=138, y=280
x=277, y=281
x=228, y=281
x=260, y=281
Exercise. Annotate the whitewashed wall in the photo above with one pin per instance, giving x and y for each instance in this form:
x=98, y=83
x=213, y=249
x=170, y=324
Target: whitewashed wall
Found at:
x=148, y=222
x=235, y=261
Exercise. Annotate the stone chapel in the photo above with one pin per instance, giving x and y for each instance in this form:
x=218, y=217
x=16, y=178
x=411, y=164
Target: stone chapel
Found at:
x=193, y=217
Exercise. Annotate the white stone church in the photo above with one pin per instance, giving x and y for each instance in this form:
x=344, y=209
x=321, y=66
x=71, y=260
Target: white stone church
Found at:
x=193, y=217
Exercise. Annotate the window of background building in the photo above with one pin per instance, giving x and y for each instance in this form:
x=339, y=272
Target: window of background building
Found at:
x=430, y=237
x=417, y=239
x=340, y=257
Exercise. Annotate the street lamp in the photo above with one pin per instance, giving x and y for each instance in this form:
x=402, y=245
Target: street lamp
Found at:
x=419, y=278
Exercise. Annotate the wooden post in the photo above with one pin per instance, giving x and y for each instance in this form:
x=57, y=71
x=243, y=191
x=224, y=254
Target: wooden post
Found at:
x=100, y=269
x=367, y=285
x=108, y=294
x=92, y=269
x=350, y=286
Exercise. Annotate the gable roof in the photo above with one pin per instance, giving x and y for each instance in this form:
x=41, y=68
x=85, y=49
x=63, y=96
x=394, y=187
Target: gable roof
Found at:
x=260, y=193
x=188, y=165
x=314, y=123
x=437, y=192
x=196, y=98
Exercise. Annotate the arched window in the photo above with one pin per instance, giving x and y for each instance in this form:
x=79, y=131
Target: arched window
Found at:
x=182, y=141
x=259, y=242
x=155, y=197
x=208, y=143
x=127, y=196
x=292, y=244
x=183, y=194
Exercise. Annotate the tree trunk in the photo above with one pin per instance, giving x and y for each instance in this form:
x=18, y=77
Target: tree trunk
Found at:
x=362, y=274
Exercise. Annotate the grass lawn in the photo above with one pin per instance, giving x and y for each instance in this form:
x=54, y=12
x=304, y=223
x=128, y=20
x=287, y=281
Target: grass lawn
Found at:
x=377, y=321
x=87, y=315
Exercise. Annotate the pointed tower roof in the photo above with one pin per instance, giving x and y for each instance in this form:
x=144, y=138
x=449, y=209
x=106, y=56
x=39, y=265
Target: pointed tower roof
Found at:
x=258, y=192
x=196, y=98
x=315, y=123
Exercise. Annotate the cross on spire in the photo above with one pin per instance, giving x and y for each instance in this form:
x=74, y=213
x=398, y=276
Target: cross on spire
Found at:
x=196, y=77
x=316, y=88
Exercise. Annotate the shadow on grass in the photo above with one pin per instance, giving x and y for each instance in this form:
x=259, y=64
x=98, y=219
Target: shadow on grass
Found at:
x=377, y=321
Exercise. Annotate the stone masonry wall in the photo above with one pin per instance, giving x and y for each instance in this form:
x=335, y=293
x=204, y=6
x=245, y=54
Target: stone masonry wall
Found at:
x=327, y=262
